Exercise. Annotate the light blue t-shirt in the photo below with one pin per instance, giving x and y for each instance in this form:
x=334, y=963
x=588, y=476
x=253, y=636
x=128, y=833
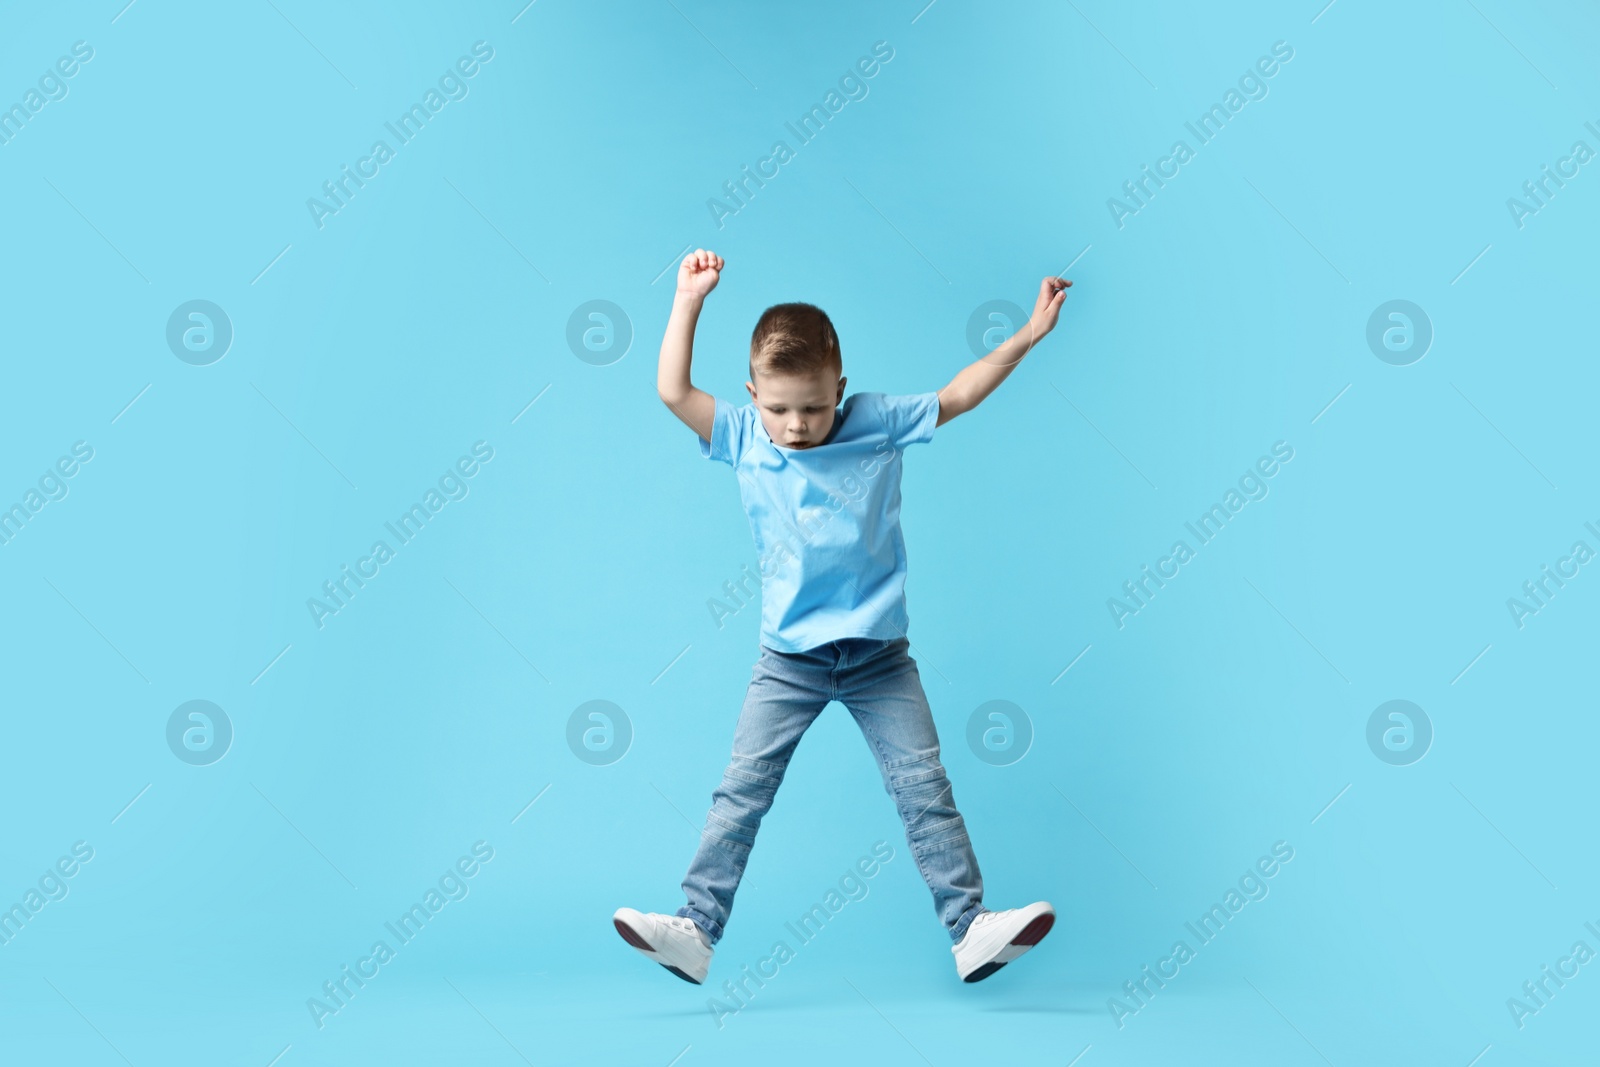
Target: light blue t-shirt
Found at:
x=826, y=519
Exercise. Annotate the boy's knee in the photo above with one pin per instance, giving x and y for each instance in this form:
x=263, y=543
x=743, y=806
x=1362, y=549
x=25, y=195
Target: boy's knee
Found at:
x=927, y=803
x=746, y=793
x=746, y=775
x=923, y=774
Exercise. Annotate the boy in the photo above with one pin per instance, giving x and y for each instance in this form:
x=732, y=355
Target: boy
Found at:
x=821, y=487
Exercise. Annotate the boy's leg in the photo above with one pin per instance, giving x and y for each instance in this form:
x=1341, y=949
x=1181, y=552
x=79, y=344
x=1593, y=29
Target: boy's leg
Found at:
x=883, y=691
x=787, y=692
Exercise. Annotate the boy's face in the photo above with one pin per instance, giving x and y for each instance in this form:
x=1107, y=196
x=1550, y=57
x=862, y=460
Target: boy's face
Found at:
x=797, y=409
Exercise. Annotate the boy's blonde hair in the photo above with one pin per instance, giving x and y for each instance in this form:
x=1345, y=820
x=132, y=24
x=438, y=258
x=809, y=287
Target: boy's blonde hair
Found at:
x=794, y=339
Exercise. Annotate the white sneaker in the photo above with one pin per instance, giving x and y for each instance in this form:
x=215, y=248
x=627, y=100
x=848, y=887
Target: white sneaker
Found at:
x=670, y=940
x=995, y=938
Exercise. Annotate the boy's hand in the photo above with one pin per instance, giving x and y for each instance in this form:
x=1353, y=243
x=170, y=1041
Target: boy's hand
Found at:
x=699, y=273
x=1046, y=309
x=697, y=276
x=968, y=389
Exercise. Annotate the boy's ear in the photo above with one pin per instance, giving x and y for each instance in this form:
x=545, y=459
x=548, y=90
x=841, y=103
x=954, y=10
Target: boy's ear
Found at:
x=842, y=380
x=752, y=390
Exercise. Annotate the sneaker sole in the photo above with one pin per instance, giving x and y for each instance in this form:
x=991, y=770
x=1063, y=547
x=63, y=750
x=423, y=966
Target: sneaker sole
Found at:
x=1029, y=936
x=680, y=974
x=631, y=936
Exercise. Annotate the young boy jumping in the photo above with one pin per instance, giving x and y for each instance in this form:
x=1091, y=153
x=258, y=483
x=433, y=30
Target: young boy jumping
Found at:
x=820, y=481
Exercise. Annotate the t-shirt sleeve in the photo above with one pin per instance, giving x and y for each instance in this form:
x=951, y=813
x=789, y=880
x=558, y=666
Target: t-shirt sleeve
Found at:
x=910, y=419
x=731, y=429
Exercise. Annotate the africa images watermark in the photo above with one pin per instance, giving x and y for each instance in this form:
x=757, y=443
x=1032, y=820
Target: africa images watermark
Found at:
x=853, y=86
x=852, y=887
x=1577, y=156
x=452, y=86
x=1539, y=592
x=1253, y=85
x=52, y=886
x=52, y=86
x=52, y=486
x=1252, y=486
x=452, y=886
x=1537, y=993
x=1252, y=886
x=452, y=486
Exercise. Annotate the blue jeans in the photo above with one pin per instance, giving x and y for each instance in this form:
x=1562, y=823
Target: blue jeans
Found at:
x=878, y=682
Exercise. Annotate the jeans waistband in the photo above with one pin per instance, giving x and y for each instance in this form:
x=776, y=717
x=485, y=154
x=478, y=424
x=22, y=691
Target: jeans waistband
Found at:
x=844, y=652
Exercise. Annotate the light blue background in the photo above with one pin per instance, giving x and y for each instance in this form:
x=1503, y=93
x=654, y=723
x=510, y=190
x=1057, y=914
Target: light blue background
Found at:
x=426, y=715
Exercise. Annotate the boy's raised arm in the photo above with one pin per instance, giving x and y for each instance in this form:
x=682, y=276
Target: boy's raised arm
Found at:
x=977, y=380
x=697, y=276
